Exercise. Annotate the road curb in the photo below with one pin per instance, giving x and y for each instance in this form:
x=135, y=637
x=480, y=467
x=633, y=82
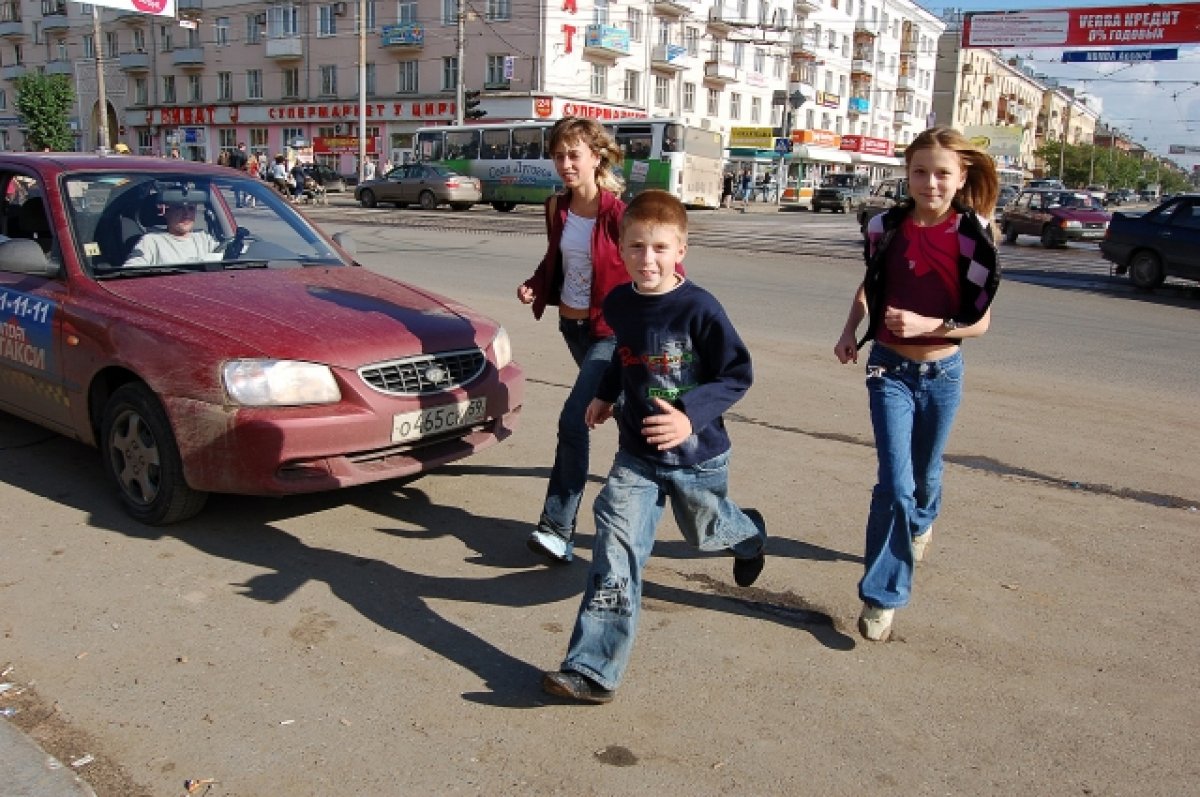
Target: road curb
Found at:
x=26, y=770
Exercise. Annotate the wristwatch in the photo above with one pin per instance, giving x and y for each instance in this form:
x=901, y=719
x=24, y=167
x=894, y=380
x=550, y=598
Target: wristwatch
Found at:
x=950, y=324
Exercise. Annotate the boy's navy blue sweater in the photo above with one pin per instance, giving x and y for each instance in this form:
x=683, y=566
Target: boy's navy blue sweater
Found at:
x=681, y=347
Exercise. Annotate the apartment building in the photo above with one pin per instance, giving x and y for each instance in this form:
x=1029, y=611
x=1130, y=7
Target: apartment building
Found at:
x=276, y=74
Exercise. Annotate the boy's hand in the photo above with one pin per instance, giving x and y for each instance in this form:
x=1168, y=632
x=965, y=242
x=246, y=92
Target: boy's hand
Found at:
x=667, y=429
x=846, y=349
x=524, y=293
x=597, y=413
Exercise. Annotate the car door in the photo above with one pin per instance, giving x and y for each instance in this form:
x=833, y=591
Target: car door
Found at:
x=391, y=187
x=1180, y=240
x=1018, y=218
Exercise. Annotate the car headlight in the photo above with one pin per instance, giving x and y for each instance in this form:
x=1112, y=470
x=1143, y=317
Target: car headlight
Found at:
x=501, y=348
x=271, y=383
x=1071, y=223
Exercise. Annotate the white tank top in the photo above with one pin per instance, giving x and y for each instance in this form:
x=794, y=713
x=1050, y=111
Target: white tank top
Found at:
x=576, y=248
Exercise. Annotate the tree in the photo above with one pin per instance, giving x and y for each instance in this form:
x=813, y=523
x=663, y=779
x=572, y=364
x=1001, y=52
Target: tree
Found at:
x=44, y=105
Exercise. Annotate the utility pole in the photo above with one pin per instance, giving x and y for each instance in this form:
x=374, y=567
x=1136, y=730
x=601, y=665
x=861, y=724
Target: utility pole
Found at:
x=459, y=87
x=362, y=91
x=101, y=99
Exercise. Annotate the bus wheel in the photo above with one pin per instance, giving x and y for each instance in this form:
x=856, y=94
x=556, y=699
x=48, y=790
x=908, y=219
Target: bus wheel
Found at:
x=505, y=207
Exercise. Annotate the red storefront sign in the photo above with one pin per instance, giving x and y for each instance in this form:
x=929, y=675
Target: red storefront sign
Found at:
x=341, y=145
x=188, y=115
x=1170, y=23
x=868, y=146
x=600, y=112
x=441, y=109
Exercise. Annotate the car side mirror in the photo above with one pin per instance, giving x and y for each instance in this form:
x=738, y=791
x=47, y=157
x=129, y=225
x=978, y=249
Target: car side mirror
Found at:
x=24, y=256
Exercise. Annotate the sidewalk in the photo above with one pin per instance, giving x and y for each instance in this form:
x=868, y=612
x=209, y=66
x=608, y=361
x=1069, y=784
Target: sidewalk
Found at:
x=26, y=770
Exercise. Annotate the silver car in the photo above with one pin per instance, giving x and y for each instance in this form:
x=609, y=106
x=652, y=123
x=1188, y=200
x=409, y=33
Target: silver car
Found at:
x=426, y=184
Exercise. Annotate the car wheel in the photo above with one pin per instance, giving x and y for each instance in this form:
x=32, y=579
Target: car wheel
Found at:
x=505, y=207
x=428, y=200
x=142, y=459
x=1050, y=237
x=1145, y=270
x=1010, y=233
x=367, y=198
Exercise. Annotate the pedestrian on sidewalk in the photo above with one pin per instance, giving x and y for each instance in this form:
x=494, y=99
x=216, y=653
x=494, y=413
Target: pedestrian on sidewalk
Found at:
x=747, y=187
x=680, y=366
x=581, y=265
x=932, y=274
x=727, y=190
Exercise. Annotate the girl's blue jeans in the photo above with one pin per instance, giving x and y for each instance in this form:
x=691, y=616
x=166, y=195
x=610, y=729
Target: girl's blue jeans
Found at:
x=627, y=512
x=912, y=410
x=570, y=471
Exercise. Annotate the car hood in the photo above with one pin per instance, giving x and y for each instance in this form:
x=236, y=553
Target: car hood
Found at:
x=341, y=316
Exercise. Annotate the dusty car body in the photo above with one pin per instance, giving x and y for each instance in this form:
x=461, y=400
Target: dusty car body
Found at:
x=1160, y=243
x=425, y=184
x=1055, y=216
x=882, y=197
x=273, y=364
x=841, y=192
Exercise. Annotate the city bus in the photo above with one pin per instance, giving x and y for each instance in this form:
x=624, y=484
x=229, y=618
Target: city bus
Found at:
x=512, y=163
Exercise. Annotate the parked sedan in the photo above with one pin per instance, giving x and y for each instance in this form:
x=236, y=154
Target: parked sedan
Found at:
x=1055, y=216
x=426, y=184
x=205, y=347
x=1163, y=242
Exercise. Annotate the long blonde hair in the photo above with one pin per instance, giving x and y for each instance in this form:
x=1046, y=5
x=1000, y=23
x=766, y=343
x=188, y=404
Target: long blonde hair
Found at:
x=601, y=142
x=982, y=186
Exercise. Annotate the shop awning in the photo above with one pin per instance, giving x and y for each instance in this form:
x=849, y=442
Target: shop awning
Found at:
x=876, y=160
x=805, y=152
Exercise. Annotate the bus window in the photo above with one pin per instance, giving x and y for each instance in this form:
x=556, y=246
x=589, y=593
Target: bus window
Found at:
x=495, y=145
x=462, y=145
x=429, y=145
x=672, y=138
x=527, y=143
x=636, y=141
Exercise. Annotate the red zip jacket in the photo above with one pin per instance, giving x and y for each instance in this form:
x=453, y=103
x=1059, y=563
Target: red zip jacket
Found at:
x=608, y=271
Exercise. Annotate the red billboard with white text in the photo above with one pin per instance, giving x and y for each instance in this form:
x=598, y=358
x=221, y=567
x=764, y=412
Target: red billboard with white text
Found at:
x=1110, y=26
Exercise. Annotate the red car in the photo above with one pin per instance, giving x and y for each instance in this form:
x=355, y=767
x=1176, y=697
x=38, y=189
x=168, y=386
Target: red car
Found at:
x=188, y=322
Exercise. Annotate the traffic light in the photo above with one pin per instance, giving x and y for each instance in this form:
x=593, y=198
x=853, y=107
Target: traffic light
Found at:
x=471, y=103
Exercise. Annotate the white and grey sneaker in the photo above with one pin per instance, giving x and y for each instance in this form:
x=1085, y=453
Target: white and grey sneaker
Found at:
x=920, y=544
x=875, y=623
x=552, y=546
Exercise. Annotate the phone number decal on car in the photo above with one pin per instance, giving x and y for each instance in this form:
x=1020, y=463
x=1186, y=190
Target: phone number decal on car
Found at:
x=431, y=420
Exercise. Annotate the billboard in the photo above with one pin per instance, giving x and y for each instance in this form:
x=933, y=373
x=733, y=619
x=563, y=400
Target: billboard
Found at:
x=159, y=8
x=1113, y=26
x=999, y=141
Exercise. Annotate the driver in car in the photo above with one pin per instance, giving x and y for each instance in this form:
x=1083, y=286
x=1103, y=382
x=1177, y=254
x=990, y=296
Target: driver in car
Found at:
x=180, y=243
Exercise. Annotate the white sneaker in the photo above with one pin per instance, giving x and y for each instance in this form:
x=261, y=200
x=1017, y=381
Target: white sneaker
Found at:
x=875, y=624
x=549, y=544
x=920, y=543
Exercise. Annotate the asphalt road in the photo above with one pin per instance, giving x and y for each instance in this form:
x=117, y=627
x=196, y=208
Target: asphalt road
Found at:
x=388, y=639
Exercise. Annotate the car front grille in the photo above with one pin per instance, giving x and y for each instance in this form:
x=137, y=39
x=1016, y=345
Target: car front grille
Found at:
x=425, y=373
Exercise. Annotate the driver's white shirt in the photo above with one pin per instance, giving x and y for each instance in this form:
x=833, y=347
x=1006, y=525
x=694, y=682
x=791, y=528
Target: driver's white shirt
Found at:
x=163, y=248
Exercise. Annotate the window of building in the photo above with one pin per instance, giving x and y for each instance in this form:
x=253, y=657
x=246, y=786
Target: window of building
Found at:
x=735, y=105
x=495, y=70
x=449, y=73
x=145, y=142
x=164, y=38
x=221, y=31
x=499, y=10
x=193, y=39
x=630, y=86
x=254, y=86
x=291, y=82
x=329, y=80
x=253, y=29
x=691, y=40
x=756, y=109
x=227, y=138
x=408, y=77
x=291, y=135
x=665, y=29
x=760, y=60
x=168, y=89
x=406, y=12
x=599, y=81
x=326, y=21
x=141, y=91
x=224, y=85
x=449, y=12
x=89, y=47
x=37, y=33
x=600, y=13
x=112, y=44
x=714, y=102
x=689, y=97
x=370, y=16
x=662, y=91
x=195, y=89
x=283, y=20
x=139, y=40
x=370, y=80
x=258, y=141
x=635, y=24
x=739, y=53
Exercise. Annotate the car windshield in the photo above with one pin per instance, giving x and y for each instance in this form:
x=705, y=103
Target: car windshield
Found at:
x=839, y=181
x=1071, y=200
x=137, y=223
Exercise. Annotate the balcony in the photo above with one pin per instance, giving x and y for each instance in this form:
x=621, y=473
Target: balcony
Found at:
x=966, y=99
x=188, y=57
x=906, y=82
x=606, y=41
x=135, y=62
x=404, y=38
x=189, y=5
x=858, y=105
x=723, y=19
x=721, y=72
x=60, y=68
x=130, y=17
x=807, y=6
x=12, y=29
x=56, y=21
x=497, y=85
x=862, y=66
x=12, y=72
x=285, y=48
x=910, y=45
x=904, y=117
x=672, y=8
x=669, y=56
x=864, y=30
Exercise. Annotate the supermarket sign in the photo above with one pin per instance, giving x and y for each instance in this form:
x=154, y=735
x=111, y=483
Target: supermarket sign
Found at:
x=1117, y=26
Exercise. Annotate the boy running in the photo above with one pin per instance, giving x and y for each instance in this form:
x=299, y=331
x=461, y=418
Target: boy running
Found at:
x=680, y=364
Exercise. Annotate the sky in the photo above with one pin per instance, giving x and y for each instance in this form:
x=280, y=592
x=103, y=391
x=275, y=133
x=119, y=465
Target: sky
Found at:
x=1127, y=96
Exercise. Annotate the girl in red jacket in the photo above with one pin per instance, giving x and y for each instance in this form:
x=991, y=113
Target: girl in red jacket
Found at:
x=581, y=265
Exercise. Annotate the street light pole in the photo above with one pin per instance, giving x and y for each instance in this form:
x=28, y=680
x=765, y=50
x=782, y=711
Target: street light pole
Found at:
x=459, y=88
x=101, y=99
x=362, y=91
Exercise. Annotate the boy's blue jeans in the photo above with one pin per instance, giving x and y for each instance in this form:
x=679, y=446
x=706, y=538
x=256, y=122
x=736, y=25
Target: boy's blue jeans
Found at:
x=569, y=474
x=913, y=405
x=627, y=511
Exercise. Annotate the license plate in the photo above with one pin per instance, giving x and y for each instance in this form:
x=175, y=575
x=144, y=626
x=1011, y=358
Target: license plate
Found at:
x=1093, y=233
x=432, y=420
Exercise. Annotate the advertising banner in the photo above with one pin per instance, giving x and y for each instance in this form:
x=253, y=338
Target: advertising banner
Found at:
x=1170, y=23
x=159, y=8
x=999, y=141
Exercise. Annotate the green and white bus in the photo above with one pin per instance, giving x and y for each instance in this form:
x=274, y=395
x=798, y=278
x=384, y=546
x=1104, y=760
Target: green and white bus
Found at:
x=512, y=162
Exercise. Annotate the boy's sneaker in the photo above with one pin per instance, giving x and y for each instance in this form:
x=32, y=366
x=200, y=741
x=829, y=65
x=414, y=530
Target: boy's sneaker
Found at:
x=920, y=543
x=576, y=686
x=875, y=623
x=746, y=571
x=551, y=546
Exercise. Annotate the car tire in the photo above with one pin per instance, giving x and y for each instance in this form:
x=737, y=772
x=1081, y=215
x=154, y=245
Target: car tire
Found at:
x=505, y=207
x=367, y=198
x=1145, y=270
x=1010, y=234
x=1050, y=238
x=142, y=458
x=427, y=200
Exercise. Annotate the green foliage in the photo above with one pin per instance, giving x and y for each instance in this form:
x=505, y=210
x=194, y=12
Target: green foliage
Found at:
x=1081, y=165
x=44, y=104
